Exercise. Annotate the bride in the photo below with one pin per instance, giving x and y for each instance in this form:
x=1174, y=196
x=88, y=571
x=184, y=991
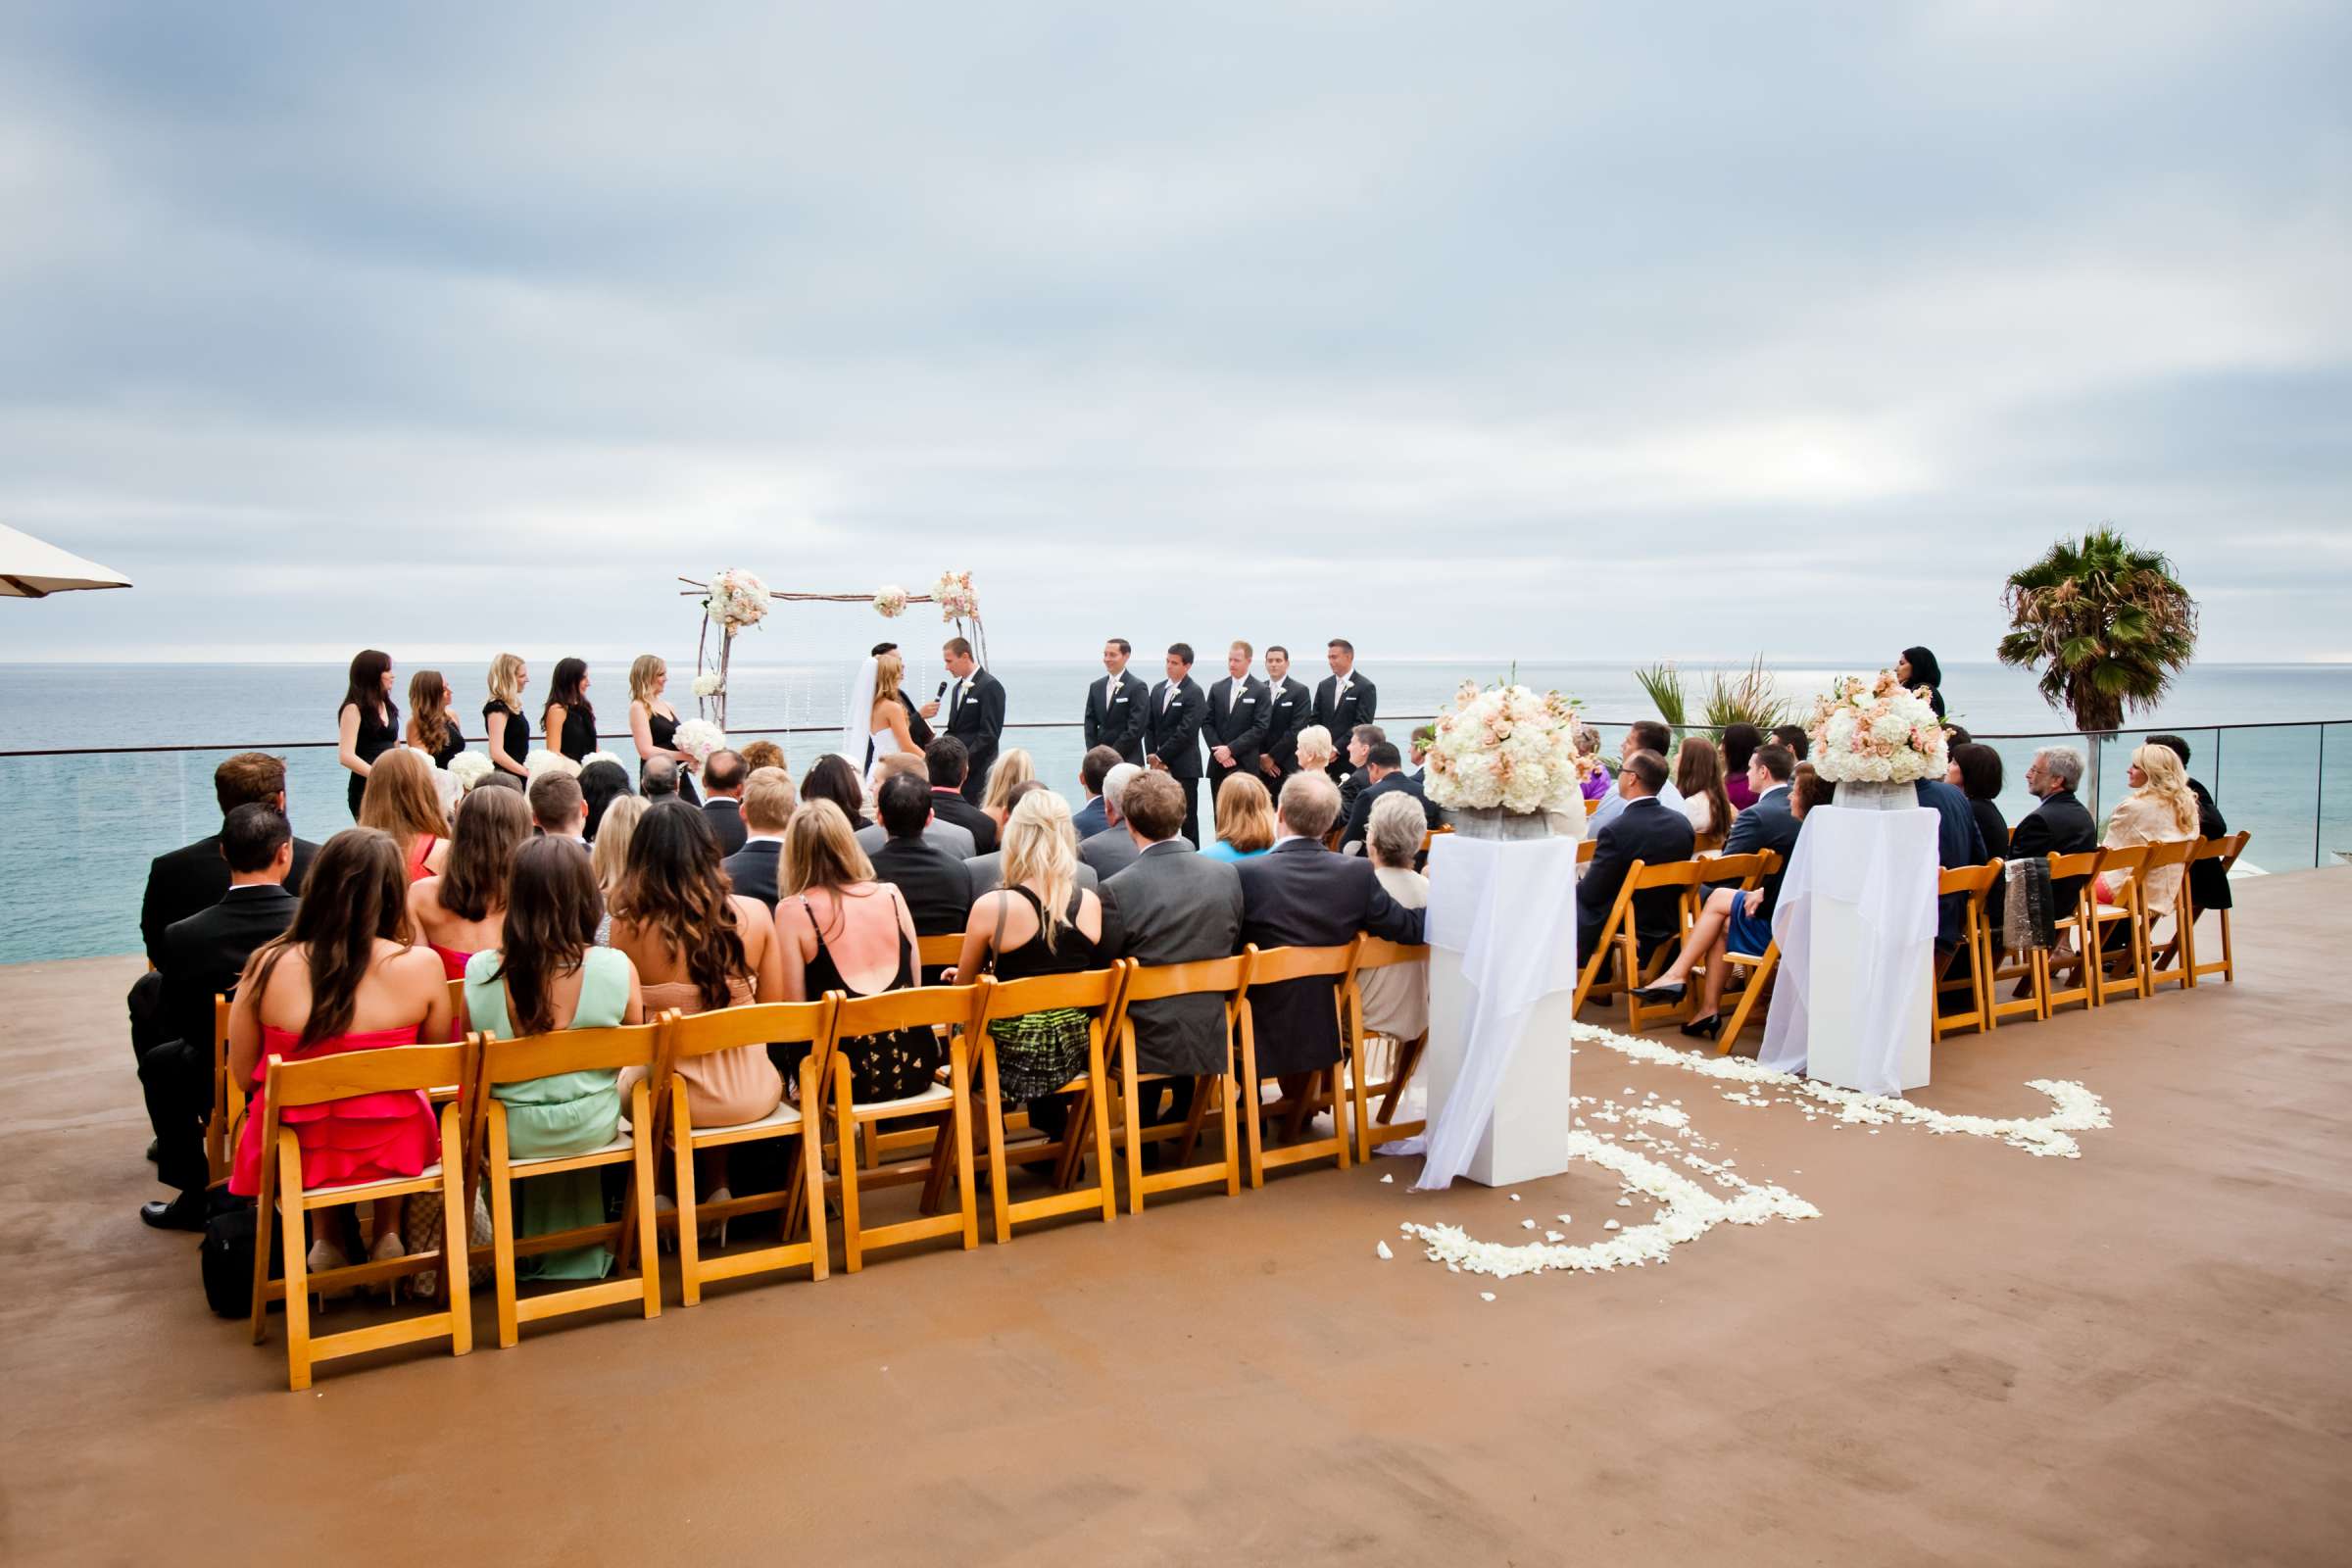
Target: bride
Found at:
x=876, y=717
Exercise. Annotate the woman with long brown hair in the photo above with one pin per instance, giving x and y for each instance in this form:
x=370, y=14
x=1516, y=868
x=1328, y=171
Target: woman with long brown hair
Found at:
x=369, y=722
x=431, y=729
x=344, y=977
x=1698, y=775
x=569, y=719
x=832, y=777
x=402, y=801
x=462, y=911
x=842, y=930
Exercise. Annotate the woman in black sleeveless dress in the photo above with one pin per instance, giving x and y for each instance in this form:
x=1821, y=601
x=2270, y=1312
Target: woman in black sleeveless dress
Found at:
x=432, y=729
x=890, y=1066
x=569, y=719
x=654, y=724
x=506, y=733
x=368, y=722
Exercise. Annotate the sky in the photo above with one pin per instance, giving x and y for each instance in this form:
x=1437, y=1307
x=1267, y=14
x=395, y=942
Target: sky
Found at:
x=1530, y=330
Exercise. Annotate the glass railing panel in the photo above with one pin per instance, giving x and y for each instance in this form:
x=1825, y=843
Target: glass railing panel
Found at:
x=2270, y=786
x=2335, y=796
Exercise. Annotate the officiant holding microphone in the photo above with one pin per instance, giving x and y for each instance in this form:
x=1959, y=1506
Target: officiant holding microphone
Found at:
x=975, y=703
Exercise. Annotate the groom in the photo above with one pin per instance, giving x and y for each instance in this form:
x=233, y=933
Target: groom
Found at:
x=976, y=712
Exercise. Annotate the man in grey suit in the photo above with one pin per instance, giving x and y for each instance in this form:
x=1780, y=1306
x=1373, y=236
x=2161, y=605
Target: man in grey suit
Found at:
x=988, y=870
x=949, y=837
x=1111, y=852
x=1176, y=905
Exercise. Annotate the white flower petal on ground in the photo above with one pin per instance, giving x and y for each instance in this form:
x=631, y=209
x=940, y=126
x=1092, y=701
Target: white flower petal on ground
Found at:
x=1385, y=1180
x=1610, y=1226
x=1382, y=1247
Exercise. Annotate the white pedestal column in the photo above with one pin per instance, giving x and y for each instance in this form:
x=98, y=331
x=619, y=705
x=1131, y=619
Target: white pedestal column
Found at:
x=1845, y=1048
x=1527, y=1134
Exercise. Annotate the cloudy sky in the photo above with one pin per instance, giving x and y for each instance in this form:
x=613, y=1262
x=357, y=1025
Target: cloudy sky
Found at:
x=1498, y=329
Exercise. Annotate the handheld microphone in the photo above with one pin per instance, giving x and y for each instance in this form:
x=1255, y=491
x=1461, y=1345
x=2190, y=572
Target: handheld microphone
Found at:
x=942, y=692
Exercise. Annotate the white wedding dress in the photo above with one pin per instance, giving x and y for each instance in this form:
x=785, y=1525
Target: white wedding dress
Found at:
x=886, y=744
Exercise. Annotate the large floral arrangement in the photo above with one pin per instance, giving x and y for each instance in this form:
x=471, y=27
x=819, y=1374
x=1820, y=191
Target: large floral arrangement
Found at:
x=954, y=596
x=1510, y=748
x=736, y=599
x=890, y=601
x=697, y=738
x=1872, y=731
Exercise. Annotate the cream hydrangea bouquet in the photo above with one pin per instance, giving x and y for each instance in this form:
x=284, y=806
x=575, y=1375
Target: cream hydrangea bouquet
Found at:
x=1872, y=731
x=697, y=738
x=1508, y=749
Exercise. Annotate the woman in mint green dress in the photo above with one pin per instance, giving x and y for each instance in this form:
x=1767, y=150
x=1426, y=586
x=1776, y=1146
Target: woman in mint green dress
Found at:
x=548, y=975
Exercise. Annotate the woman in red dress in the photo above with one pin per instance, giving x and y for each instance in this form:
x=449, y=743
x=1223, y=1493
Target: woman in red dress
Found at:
x=344, y=977
x=402, y=800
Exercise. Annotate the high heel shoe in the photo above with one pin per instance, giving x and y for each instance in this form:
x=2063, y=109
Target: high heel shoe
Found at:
x=326, y=1257
x=388, y=1247
x=716, y=1233
x=666, y=1240
x=1666, y=991
x=1707, y=1028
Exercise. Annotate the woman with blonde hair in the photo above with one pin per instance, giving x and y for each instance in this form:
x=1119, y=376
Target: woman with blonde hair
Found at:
x=842, y=930
x=1245, y=820
x=509, y=732
x=1040, y=922
x=609, y=856
x=2160, y=809
x=654, y=724
x=1013, y=767
x=431, y=728
x=1315, y=750
x=887, y=731
x=403, y=799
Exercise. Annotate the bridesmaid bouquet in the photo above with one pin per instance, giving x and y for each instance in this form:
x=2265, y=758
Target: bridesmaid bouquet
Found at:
x=697, y=738
x=890, y=601
x=1509, y=749
x=1872, y=731
x=954, y=593
x=470, y=768
x=736, y=599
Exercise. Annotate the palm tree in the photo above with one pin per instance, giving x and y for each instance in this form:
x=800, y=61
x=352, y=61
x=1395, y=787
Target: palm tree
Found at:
x=2107, y=622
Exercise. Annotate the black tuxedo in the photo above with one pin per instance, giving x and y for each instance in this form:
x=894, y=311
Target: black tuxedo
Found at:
x=724, y=813
x=192, y=878
x=1769, y=824
x=204, y=957
x=1172, y=722
x=2208, y=883
x=1643, y=831
x=950, y=806
x=937, y=885
x=1291, y=708
x=975, y=710
x=1301, y=895
x=1115, y=714
x=2060, y=825
x=1360, y=815
x=752, y=870
x=1340, y=712
x=1236, y=721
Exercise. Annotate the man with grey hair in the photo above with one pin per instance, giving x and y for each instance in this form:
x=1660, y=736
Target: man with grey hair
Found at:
x=2061, y=825
x=659, y=777
x=1114, y=851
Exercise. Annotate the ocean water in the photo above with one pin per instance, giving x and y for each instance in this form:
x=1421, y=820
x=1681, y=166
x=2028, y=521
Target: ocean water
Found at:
x=87, y=820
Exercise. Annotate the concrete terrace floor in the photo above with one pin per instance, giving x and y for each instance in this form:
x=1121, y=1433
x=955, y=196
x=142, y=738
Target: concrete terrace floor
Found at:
x=1974, y=1357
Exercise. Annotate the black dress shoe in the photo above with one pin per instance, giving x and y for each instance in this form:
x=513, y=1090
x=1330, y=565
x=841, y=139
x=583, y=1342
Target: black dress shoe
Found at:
x=1666, y=991
x=154, y=1147
x=1707, y=1028
x=183, y=1213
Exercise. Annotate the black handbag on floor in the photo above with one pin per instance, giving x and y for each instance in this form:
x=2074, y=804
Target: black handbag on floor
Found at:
x=229, y=1236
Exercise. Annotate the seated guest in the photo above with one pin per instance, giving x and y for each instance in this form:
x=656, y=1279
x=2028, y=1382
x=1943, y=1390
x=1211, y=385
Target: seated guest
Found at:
x=769, y=802
x=402, y=800
x=1040, y=922
x=2159, y=810
x=1245, y=819
x=1698, y=779
x=2208, y=883
x=1958, y=844
x=1740, y=742
x=462, y=911
x=723, y=773
x=609, y=857
x=2061, y=825
x=1014, y=767
x=601, y=782
x=1425, y=737
x=763, y=754
x=698, y=947
x=1643, y=828
x=937, y=888
x=1643, y=735
x=1809, y=789
x=988, y=870
x=1384, y=775
x=659, y=779
x=831, y=778
x=1175, y=906
x=1598, y=783
x=1315, y=748
x=949, y=838
x=1095, y=816
x=1396, y=995
x=1957, y=736
x=842, y=930
x=342, y=978
x=1301, y=895
x=557, y=808
x=1732, y=920
x=547, y=974
x=948, y=763
x=1112, y=853
x=1976, y=770
x=1360, y=741
x=1793, y=737
x=204, y=955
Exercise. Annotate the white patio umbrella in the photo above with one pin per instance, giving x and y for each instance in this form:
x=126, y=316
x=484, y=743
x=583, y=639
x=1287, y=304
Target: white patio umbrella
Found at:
x=32, y=569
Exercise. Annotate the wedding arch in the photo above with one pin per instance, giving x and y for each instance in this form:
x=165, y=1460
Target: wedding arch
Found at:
x=735, y=600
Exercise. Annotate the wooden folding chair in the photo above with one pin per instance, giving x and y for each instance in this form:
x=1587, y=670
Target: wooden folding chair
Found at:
x=456, y=1009
x=940, y=951
x=391, y=1069
x=2128, y=914
x=1601, y=975
x=1097, y=992
x=521, y=1061
x=1585, y=851
x=756, y=1027
x=953, y=1007
x=229, y=1101
x=2172, y=854
x=1688, y=878
x=1698, y=880
x=1228, y=978
x=2020, y=966
x=2073, y=924
x=1971, y=882
x=2227, y=850
x=1272, y=966
x=1405, y=1056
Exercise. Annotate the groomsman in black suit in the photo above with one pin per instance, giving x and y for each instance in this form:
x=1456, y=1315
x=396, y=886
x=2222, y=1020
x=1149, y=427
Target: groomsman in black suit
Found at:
x=1240, y=707
x=1172, y=733
x=1114, y=705
x=975, y=713
x=1343, y=700
x=1291, y=708
x=916, y=730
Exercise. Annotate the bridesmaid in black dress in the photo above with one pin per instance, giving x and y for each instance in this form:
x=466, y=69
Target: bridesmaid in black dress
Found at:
x=369, y=722
x=506, y=731
x=569, y=719
x=654, y=724
x=431, y=728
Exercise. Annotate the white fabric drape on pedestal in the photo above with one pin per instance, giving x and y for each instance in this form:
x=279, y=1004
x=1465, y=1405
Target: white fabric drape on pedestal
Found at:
x=1883, y=864
x=1504, y=911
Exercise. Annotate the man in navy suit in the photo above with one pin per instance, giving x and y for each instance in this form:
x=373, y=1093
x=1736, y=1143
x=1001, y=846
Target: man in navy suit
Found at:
x=1344, y=699
x=1730, y=920
x=1291, y=708
x=769, y=802
x=1240, y=706
x=975, y=713
x=1172, y=720
x=1114, y=707
x=1384, y=770
x=1644, y=831
x=1959, y=842
x=1093, y=770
